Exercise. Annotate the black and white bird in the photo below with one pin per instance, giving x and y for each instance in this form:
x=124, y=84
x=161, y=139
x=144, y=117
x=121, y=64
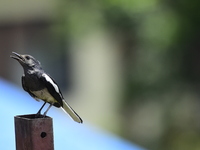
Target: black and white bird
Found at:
x=41, y=86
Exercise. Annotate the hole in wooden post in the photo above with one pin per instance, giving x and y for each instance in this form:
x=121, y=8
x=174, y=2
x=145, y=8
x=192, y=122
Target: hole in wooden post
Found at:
x=43, y=134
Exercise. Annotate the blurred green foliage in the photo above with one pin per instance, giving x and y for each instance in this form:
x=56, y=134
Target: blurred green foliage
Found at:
x=160, y=61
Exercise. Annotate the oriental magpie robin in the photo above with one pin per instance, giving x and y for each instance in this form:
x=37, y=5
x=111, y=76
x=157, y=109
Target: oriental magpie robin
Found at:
x=41, y=86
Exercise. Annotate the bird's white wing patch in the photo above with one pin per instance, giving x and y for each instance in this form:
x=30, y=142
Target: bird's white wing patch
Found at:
x=48, y=79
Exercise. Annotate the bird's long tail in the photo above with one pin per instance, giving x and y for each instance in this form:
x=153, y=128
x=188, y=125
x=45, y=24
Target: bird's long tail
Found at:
x=67, y=108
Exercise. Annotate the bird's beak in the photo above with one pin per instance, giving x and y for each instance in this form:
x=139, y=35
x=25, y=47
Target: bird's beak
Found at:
x=17, y=56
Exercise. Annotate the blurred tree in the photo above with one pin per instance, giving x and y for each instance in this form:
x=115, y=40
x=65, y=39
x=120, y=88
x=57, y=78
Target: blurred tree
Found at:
x=160, y=64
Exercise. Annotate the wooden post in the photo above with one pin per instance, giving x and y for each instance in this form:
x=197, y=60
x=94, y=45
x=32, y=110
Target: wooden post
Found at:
x=33, y=133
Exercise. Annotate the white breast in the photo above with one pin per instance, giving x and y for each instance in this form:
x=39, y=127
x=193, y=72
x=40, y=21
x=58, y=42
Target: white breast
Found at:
x=44, y=95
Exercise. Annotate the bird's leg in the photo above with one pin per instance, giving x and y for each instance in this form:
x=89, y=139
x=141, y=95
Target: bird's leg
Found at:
x=47, y=110
x=39, y=112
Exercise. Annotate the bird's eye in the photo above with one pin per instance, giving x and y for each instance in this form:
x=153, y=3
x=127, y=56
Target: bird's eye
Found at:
x=27, y=57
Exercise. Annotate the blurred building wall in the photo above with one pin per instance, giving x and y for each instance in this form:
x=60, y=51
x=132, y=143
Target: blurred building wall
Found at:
x=25, y=27
x=97, y=79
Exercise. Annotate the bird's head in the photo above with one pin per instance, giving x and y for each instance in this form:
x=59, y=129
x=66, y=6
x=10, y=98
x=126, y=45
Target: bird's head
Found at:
x=27, y=61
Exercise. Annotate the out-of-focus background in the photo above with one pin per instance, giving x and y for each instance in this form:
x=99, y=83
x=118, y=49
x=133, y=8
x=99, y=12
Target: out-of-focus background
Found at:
x=131, y=67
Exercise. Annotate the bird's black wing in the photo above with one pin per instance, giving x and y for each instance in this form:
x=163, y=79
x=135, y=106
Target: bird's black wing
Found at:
x=52, y=88
x=25, y=88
